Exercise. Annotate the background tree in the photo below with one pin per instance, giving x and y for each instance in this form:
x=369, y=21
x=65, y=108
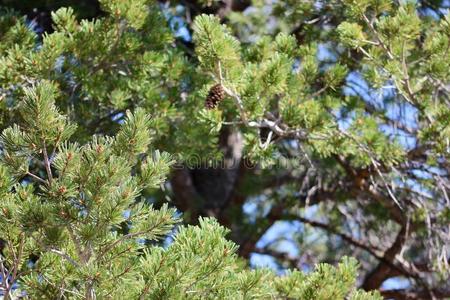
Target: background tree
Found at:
x=332, y=138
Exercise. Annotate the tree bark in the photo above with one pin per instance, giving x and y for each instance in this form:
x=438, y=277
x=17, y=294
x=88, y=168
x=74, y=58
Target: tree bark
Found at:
x=207, y=190
x=375, y=278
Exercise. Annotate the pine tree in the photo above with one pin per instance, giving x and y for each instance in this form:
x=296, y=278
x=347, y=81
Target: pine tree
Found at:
x=329, y=116
x=80, y=229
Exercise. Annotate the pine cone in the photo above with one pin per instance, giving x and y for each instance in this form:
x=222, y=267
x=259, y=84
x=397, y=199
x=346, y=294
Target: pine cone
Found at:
x=215, y=95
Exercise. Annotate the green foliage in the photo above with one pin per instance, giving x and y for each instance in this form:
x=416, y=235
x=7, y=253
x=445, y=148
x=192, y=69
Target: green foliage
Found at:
x=74, y=223
x=14, y=32
x=41, y=117
x=215, y=44
x=75, y=200
x=351, y=34
x=321, y=284
x=86, y=211
x=133, y=12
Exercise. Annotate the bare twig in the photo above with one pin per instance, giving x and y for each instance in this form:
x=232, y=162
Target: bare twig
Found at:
x=64, y=255
x=37, y=178
x=47, y=163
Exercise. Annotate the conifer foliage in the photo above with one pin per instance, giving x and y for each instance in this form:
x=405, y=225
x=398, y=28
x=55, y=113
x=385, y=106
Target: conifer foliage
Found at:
x=76, y=220
x=77, y=227
x=336, y=124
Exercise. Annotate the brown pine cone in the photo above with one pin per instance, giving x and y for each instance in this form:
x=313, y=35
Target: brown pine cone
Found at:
x=215, y=95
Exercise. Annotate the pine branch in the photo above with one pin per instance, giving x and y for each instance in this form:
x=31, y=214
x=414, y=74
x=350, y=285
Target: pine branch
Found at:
x=349, y=239
x=127, y=237
x=75, y=241
x=416, y=294
x=47, y=164
x=381, y=272
x=387, y=259
x=65, y=256
x=9, y=275
x=18, y=259
x=406, y=80
x=37, y=178
x=277, y=127
x=377, y=36
x=5, y=276
x=147, y=285
x=277, y=212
